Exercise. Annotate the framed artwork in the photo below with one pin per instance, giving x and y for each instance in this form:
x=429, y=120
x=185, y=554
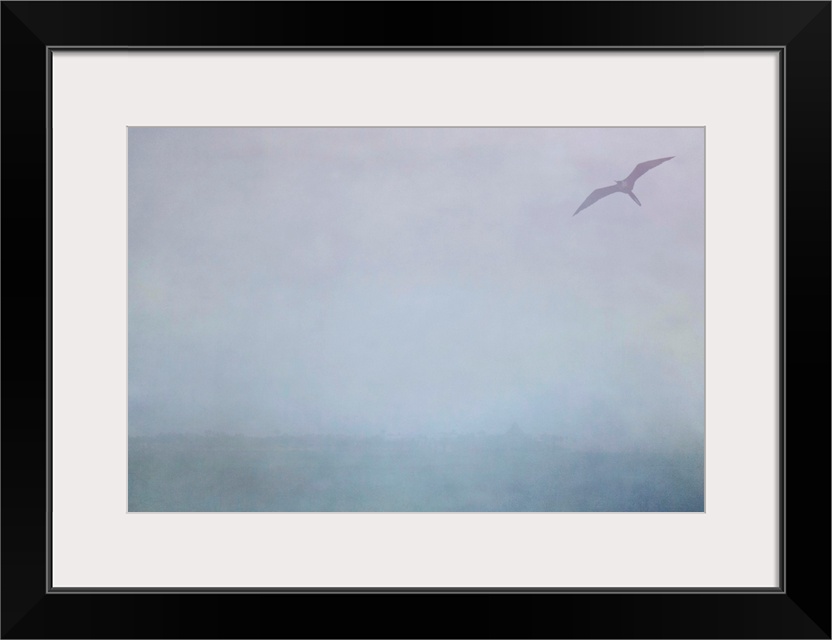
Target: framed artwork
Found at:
x=500, y=311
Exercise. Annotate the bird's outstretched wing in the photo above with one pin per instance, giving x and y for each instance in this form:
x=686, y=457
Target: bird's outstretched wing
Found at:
x=597, y=195
x=642, y=168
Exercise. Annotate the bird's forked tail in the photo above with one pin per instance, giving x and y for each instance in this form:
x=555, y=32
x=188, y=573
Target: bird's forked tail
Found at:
x=633, y=196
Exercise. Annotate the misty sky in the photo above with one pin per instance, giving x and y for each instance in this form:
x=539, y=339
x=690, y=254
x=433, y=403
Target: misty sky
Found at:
x=415, y=281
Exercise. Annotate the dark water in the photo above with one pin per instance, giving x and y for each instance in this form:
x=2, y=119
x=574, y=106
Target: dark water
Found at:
x=459, y=474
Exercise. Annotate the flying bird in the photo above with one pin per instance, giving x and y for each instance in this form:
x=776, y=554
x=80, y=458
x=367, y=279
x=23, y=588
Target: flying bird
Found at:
x=622, y=186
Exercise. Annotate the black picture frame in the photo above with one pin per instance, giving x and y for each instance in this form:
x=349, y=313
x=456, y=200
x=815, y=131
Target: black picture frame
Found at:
x=798, y=608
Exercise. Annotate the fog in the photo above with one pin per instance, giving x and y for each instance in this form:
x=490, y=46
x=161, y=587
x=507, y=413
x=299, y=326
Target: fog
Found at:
x=417, y=283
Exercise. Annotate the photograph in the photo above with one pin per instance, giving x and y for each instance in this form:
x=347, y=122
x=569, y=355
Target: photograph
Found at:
x=416, y=319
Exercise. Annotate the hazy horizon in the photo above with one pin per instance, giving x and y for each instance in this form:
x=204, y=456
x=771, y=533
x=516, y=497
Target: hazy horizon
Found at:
x=417, y=282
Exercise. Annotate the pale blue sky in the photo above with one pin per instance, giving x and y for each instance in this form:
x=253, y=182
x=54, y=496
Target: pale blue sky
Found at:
x=415, y=281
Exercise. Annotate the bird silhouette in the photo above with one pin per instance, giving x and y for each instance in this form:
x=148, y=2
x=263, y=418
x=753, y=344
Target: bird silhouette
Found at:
x=622, y=186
